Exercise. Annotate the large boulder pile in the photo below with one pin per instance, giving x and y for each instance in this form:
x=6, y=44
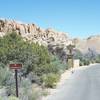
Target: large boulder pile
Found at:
x=33, y=33
x=91, y=42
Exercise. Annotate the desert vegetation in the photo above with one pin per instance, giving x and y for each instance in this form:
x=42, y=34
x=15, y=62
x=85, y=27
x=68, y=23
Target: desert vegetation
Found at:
x=40, y=68
x=91, y=56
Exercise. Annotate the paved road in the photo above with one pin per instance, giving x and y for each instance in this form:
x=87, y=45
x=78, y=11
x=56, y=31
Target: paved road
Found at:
x=84, y=84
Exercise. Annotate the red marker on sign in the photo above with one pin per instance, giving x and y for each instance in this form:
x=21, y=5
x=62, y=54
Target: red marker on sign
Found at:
x=15, y=66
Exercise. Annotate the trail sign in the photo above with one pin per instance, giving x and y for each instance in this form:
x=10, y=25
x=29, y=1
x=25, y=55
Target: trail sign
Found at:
x=16, y=67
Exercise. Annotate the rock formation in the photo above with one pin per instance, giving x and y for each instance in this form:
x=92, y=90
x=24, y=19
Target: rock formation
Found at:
x=47, y=37
x=33, y=33
x=93, y=42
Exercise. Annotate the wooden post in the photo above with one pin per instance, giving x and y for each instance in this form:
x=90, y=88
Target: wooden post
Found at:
x=16, y=83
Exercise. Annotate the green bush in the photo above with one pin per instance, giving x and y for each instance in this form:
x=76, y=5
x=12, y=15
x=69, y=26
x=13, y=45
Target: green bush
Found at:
x=81, y=63
x=97, y=60
x=5, y=75
x=50, y=80
x=14, y=49
x=28, y=92
x=86, y=62
x=58, y=64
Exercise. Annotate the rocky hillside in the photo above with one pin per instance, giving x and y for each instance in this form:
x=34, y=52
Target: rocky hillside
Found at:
x=48, y=37
x=33, y=33
x=93, y=42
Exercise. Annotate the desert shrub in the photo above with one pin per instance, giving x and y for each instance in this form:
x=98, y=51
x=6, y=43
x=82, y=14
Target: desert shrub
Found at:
x=45, y=69
x=28, y=92
x=86, y=61
x=97, y=60
x=34, y=78
x=36, y=93
x=4, y=76
x=81, y=63
x=57, y=63
x=14, y=49
x=50, y=80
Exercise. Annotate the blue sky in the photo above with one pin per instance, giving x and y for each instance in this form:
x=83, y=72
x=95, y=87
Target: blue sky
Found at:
x=80, y=18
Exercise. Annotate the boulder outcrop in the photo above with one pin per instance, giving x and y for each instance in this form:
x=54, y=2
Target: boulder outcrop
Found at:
x=33, y=33
x=91, y=42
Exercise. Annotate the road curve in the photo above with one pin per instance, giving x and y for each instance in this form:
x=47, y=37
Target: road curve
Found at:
x=84, y=84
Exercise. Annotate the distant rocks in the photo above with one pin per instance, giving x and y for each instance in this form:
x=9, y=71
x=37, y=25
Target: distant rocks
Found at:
x=93, y=42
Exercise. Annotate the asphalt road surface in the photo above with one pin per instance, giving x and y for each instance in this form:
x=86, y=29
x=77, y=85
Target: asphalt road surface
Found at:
x=84, y=84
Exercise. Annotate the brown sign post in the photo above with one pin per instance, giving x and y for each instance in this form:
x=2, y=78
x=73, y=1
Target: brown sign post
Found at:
x=16, y=67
